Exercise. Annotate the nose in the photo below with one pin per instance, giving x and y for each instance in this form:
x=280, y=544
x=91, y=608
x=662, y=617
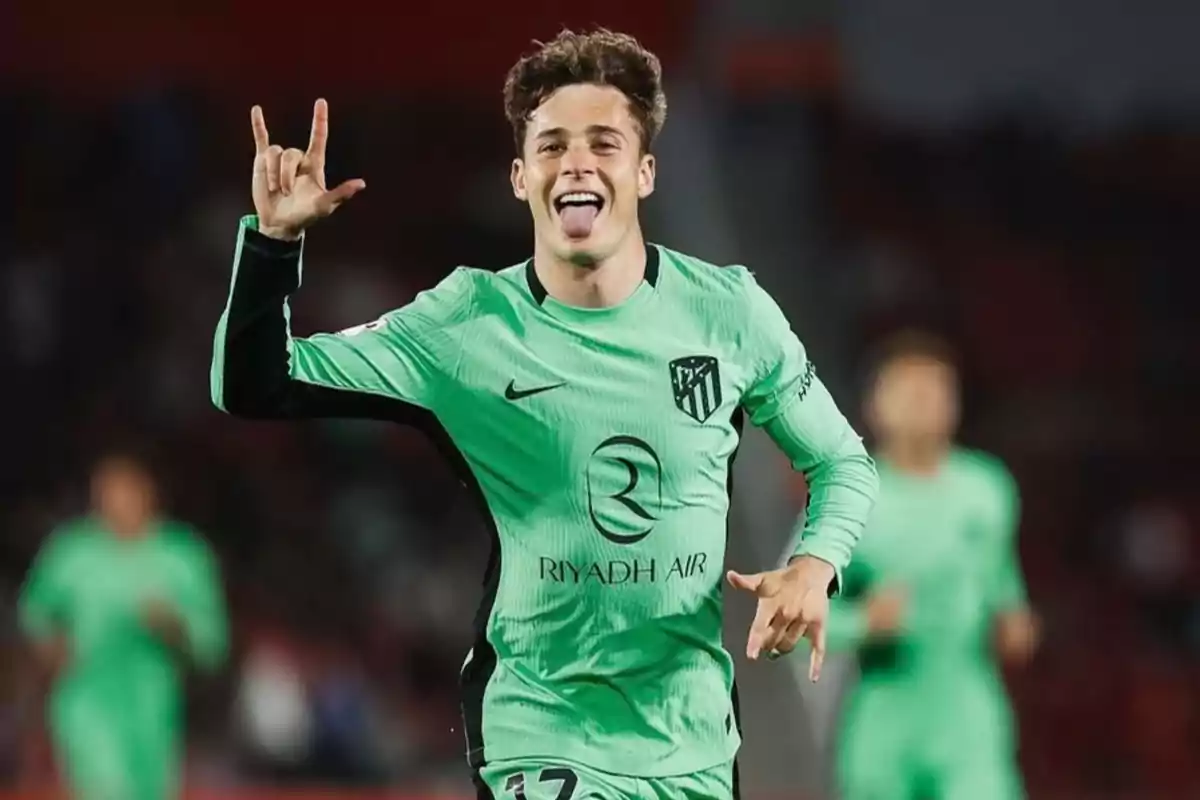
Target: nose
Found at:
x=578, y=160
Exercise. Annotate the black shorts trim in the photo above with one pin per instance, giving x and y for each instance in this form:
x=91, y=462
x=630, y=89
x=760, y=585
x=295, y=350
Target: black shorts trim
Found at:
x=482, y=792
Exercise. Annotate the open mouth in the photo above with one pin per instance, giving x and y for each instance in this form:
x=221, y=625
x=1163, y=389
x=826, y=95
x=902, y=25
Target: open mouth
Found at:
x=578, y=200
x=577, y=212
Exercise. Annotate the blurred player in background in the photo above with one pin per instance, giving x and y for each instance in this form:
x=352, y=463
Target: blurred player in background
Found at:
x=116, y=603
x=592, y=398
x=933, y=596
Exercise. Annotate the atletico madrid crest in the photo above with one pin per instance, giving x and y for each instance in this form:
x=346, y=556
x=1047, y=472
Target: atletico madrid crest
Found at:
x=696, y=383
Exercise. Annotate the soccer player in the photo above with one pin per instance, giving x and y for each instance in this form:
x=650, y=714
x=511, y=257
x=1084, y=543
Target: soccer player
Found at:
x=114, y=603
x=592, y=398
x=931, y=599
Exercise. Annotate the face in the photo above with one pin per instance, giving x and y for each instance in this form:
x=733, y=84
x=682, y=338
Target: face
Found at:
x=123, y=495
x=583, y=172
x=915, y=398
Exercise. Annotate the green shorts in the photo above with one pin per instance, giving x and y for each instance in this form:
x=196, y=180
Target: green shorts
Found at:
x=108, y=754
x=548, y=779
x=905, y=745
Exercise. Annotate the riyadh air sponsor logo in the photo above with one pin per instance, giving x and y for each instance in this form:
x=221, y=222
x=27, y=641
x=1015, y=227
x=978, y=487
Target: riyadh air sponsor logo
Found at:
x=624, y=489
x=624, y=486
x=622, y=571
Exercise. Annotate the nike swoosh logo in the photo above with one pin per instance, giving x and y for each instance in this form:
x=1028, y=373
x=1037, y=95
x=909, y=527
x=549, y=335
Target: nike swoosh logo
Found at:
x=513, y=393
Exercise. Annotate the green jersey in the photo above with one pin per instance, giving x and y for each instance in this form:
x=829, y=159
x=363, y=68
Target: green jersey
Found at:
x=930, y=716
x=597, y=443
x=948, y=541
x=91, y=588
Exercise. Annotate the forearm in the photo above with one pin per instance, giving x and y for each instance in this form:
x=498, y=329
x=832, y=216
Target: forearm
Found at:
x=195, y=619
x=250, y=373
x=1008, y=592
x=208, y=635
x=841, y=493
x=842, y=481
x=196, y=634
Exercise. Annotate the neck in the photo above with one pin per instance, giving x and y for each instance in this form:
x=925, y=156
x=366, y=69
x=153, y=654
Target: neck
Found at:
x=917, y=455
x=129, y=530
x=601, y=285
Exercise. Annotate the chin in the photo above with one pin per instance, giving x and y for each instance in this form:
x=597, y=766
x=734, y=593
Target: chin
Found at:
x=581, y=252
x=583, y=256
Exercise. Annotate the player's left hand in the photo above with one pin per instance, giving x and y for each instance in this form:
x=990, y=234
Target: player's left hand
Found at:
x=793, y=603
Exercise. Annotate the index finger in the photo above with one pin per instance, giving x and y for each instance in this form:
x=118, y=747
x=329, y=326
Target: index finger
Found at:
x=818, y=654
x=259, y=125
x=320, y=130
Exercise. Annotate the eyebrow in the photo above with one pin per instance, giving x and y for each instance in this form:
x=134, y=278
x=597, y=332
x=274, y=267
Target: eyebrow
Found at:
x=592, y=130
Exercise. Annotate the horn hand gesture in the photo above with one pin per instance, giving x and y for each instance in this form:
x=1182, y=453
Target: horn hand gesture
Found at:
x=289, y=187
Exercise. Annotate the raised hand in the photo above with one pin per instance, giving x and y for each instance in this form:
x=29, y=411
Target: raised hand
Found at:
x=793, y=603
x=289, y=185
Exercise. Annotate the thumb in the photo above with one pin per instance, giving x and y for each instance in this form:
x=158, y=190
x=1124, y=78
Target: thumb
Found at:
x=330, y=200
x=748, y=583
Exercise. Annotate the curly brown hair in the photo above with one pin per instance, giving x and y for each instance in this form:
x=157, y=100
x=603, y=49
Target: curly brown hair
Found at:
x=600, y=57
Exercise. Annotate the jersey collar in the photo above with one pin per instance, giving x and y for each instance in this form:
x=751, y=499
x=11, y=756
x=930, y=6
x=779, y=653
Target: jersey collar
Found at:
x=539, y=291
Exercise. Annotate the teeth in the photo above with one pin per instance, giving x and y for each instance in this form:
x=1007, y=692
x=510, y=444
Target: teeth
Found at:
x=579, y=197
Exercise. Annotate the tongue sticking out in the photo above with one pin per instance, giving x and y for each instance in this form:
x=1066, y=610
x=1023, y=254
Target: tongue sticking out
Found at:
x=577, y=220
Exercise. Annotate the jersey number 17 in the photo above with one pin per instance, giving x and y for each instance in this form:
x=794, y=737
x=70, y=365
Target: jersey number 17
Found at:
x=566, y=779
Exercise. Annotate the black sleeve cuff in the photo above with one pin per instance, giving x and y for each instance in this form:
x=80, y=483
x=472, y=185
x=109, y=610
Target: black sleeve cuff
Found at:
x=275, y=249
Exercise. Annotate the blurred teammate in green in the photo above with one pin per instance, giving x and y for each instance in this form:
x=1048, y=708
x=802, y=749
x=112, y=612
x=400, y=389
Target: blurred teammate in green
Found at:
x=934, y=594
x=115, y=603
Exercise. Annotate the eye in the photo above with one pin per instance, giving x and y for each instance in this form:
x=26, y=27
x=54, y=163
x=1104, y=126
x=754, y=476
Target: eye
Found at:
x=551, y=147
x=606, y=146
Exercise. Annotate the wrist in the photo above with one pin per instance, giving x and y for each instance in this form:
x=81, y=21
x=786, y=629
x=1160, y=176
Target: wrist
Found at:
x=814, y=569
x=280, y=233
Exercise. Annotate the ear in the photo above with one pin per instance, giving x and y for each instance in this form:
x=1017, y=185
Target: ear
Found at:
x=518, y=180
x=645, y=177
x=870, y=409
